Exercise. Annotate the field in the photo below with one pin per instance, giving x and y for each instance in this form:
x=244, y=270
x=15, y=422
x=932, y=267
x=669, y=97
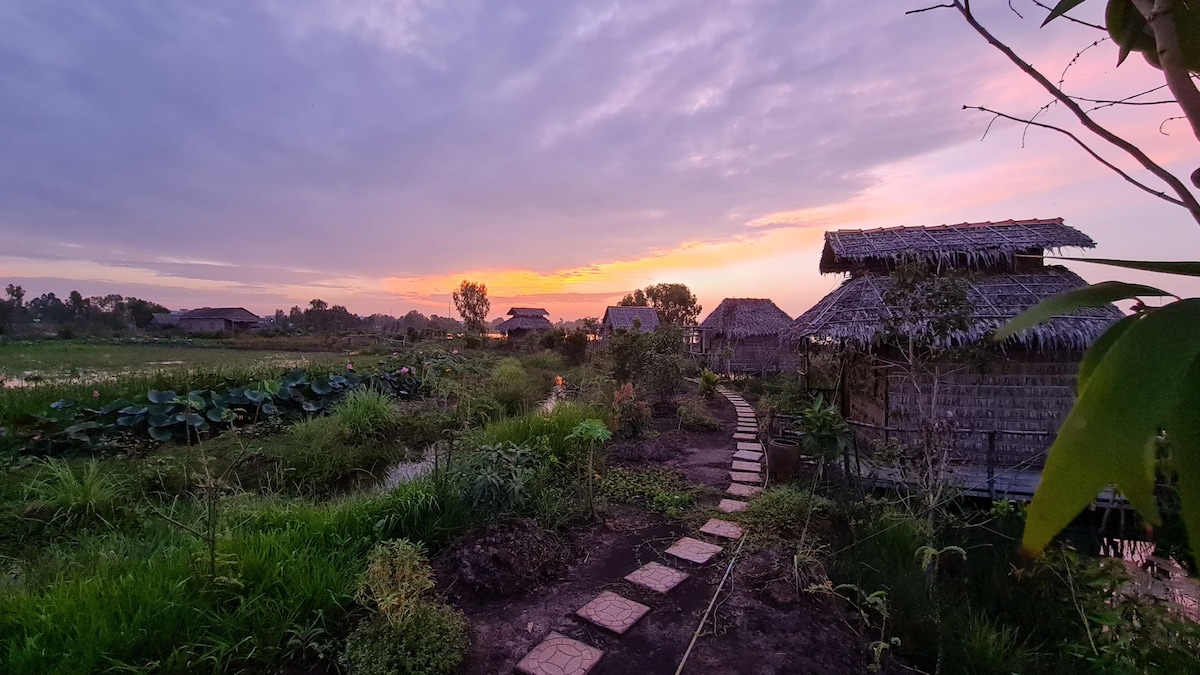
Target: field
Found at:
x=243, y=522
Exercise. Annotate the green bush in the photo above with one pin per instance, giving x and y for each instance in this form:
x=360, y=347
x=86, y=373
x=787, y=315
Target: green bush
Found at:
x=708, y=383
x=411, y=632
x=663, y=375
x=546, y=432
x=432, y=642
x=511, y=387
x=497, y=477
x=694, y=416
x=366, y=415
x=630, y=417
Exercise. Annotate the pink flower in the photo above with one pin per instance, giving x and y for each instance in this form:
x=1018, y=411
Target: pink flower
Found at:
x=95, y=393
x=455, y=352
x=404, y=370
x=349, y=366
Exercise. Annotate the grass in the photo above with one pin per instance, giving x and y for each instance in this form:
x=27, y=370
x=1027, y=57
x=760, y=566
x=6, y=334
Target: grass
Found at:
x=141, y=598
x=57, y=359
x=544, y=431
x=660, y=490
x=77, y=494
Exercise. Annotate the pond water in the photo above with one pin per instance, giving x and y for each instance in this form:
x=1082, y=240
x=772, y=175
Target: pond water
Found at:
x=1155, y=576
x=409, y=469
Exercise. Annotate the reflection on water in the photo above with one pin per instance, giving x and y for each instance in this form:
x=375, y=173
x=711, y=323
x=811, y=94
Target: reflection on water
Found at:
x=1155, y=576
x=402, y=472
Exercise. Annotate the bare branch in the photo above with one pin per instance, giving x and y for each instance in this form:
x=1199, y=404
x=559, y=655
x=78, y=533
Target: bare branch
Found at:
x=1070, y=18
x=930, y=9
x=1185, y=197
x=1014, y=10
x=1075, y=59
x=1116, y=169
x=1164, y=123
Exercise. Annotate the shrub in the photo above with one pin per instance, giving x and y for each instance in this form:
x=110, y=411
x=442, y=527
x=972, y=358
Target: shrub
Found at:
x=708, y=383
x=432, y=642
x=663, y=375
x=366, y=415
x=630, y=415
x=574, y=347
x=496, y=477
x=694, y=416
x=77, y=496
x=511, y=386
x=411, y=633
x=544, y=432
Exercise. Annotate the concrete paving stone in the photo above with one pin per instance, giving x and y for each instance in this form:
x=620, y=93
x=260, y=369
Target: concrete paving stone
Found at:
x=694, y=550
x=753, y=467
x=722, y=528
x=731, y=505
x=744, y=477
x=611, y=611
x=744, y=437
x=739, y=490
x=560, y=655
x=748, y=456
x=752, y=447
x=656, y=577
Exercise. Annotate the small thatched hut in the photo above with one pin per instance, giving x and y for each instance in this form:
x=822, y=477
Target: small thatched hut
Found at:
x=1007, y=400
x=627, y=318
x=743, y=335
x=525, y=320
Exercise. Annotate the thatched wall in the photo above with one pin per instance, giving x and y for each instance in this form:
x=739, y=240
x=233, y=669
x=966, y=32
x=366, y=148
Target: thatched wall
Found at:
x=1032, y=393
x=760, y=354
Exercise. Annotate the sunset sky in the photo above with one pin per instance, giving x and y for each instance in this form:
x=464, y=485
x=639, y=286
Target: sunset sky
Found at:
x=374, y=153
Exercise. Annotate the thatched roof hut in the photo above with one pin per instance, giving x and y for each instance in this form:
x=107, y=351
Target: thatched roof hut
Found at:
x=739, y=318
x=1013, y=398
x=525, y=320
x=629, y=318
x=855, y=312
x=973, y=245
x=743, y=335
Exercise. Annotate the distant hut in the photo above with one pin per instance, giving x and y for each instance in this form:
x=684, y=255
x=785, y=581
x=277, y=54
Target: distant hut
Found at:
x=215, y=319
x=743, y=335
x=627, y=318
x=1025, y=385
x=525, y=320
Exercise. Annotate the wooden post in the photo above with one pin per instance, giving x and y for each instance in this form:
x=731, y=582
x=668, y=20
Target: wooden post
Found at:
x=991, y=464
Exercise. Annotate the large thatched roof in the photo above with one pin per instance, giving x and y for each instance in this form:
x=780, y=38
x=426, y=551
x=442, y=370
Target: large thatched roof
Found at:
x=623, y=318
x=528, y=311
x=739, y=318
x=523, y=322
x=974, y=242
x=855, y=311
x=227, y=313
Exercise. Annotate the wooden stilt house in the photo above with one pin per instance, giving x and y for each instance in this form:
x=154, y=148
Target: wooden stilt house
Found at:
x=1003, y=404
x=743, y=335
x=525, y=320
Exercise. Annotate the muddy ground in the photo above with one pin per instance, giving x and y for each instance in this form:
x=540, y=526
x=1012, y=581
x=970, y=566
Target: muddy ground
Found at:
x=760, y=625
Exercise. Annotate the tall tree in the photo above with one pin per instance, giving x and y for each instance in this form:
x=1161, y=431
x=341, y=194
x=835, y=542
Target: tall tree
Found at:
x=472, y=303
x=674, y=303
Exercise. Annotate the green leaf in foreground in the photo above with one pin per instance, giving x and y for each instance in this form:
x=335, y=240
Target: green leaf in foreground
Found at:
x=1181, y=268
x=1095, y=354
x=1183, y=434
x=1108, y=437
x=1073, y=300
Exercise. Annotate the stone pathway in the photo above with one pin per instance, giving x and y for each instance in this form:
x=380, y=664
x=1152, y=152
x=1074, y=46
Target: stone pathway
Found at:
x=560, y=655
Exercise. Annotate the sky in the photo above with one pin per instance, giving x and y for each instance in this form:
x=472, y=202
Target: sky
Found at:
x=375, y=153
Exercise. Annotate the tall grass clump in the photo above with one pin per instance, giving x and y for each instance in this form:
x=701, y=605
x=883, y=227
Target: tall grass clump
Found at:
x=784, y=512
x=511, y=386
x=366, y=415
x=77, y=494
x=548, y=432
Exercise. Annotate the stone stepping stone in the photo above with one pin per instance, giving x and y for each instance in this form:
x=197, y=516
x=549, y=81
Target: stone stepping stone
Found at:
x=722, y=528
x=752, y=447
x=744, y=437
x=560, y=655
x=748, y=456
x=611, y=611
x=739, y=490
x=744, y=477
x=753, y=431
x=753, y=467
x=694, y=550
x=656, y=577
x=731, y=506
